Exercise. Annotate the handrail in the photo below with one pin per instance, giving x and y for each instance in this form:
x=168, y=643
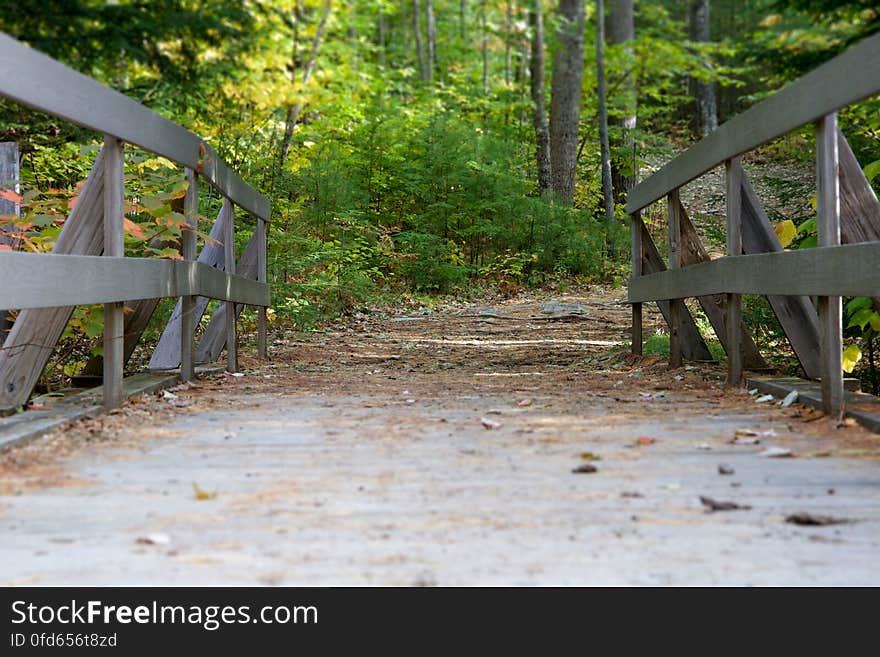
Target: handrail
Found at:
x=40, y=82
x=848, y=78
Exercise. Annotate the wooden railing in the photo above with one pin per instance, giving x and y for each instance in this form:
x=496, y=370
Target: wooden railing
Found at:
x=788, y=278
x=87, y=264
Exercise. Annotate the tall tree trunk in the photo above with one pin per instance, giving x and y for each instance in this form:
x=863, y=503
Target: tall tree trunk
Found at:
x=382, y=37
x=417, y=34
x=462, y=20
x=294, y=111
x=620, y=29
x=433, y=63
x=604, y=146
x=565, y=102
x=707, y=110
x=508, y=29
x=539, y=115
x=485, y=46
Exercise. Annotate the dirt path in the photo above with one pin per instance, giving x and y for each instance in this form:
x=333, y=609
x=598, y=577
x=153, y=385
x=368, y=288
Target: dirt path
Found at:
x=439, y=448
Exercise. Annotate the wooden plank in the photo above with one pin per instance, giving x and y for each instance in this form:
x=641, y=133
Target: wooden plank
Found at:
x=32, y=338
x=846, y=79
x=796, y=314
x=734, y=176
x=637, y=258
x=260, y=236
x=9, y=211
x=114, y=247
x=693, y=347
x=676, y=306
x=692, y=253
x=846, y=270
x=188, y=252
x=830, y=307
x=82, y=280
x=231, y=315
x=166, y=355
x=33, y=79
x=214, y=338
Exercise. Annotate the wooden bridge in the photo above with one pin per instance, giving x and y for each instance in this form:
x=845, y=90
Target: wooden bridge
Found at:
x=88, y=265
x=461, y=448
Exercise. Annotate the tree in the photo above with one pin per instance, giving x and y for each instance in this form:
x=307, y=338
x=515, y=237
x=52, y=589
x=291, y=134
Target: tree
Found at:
x=539, y=111
x=620, y=32
x=432, y=39
x=704, y=91
x=417, y=34
x=601, y=92
x=565, y=103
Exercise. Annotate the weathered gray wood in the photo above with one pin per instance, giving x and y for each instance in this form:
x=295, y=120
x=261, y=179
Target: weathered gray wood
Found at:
x=693, y=347
x=188, y=251
x=846, y=79
x=260, y=237
x=114, y=247
x=32, y=338
x=166, y=355
x=82, y=280
x=734, y=177
x=828, y=223
x=32, y=79
x=9, y=211
x=796, y=314
x=692, y=253
x=231, y=315
x=214, y=337
x=676, y=306
x=846, y=270
x=637, y=257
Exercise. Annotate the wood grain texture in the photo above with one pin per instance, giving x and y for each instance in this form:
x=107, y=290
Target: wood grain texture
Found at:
x=693, y=347
x=166, y=355
x=846, y=270
x=33, y=79
x=830, y=306
x=733, y=302
x=32, y=338
x=637, y=256
x=846, y=79
x=188, y=252
x=231, y=316
x=262, y=258
x=676, y=306
x=114, y=247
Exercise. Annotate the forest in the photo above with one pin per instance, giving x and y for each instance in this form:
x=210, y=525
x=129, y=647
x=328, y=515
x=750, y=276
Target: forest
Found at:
x=416, y=149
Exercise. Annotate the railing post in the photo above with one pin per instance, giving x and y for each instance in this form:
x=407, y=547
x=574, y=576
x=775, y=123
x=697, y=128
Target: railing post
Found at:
x=229, y=256
x=676, y=306
x=262, y=348
x=114, y=247
x=636, y=243
x=188, y=251
x=734, y=175
x=828, y=222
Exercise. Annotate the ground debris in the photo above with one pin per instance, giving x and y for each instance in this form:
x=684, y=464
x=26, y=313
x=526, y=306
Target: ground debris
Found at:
x=812, y=520
x=586, y=468
x=724, y=469
x=777, y=453
x=717, y=505
x=489, y=424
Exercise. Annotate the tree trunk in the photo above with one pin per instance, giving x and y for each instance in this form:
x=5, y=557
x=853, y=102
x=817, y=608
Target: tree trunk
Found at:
x=604, y=146
x=508, y=29
x=620, y=29
x=485, y=46
x=565, y=103
x=294, y=111
x=707, y=110
x=433, y=63
x=417, y=33
x=539, y=115
x=462, y=20
x=382, y=38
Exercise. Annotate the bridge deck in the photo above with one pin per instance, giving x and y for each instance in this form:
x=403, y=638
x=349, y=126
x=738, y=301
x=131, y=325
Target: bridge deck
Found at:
x=359, y=457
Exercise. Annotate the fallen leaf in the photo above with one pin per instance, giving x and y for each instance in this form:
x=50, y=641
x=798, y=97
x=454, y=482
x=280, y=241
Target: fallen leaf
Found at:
x=153, y=539
x=716, y=505
x=589, y=456
x=764, y=398
x=489, y=424
x=706, y=447
x=631, y=494
x=168, y=395
x=202, y=494
x=724, y=469
x=586, y=468
x=643, y=440
x=790, y=399
x=524, y=402
x=812, y=520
